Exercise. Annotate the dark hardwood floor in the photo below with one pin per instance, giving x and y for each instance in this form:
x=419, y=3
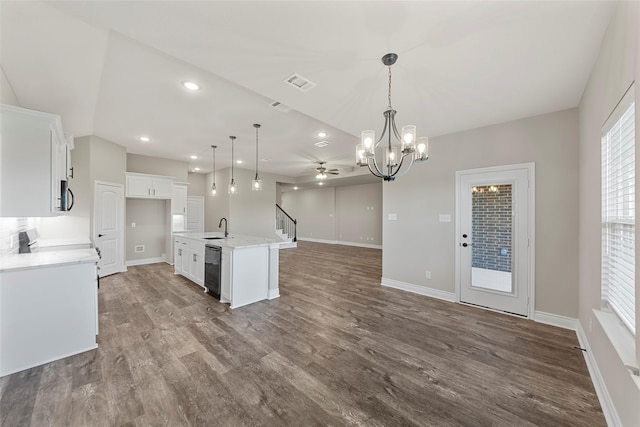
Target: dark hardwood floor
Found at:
x=335, y=349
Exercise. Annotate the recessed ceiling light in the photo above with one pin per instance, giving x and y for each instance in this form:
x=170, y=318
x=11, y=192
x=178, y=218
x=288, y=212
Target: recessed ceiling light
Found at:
x=322, y=134
x=321, y=183
x=191, y=85
x=295, y=188
x=144, y=139
x=196, y=169
x=239, y=162
x=194, y=157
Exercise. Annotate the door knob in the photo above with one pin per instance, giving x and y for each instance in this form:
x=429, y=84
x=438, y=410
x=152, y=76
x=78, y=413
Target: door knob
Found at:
x=100, y=235
x=464, y=235
x=464, y=245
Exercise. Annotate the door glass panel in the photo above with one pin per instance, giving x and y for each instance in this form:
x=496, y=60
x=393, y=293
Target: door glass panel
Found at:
x=491, y=227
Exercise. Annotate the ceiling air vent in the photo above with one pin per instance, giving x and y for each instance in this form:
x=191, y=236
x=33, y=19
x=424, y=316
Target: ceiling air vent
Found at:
x=321, y=144
x=280, y=107
x=301, y=83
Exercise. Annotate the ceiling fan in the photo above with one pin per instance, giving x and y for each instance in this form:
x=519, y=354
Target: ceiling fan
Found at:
x=323, y=172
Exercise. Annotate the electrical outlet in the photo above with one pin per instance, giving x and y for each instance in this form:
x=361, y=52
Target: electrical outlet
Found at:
x=139, y=248
x=428, y=274
x=133, y=225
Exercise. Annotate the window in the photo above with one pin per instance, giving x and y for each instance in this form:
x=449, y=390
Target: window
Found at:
x=618, y=211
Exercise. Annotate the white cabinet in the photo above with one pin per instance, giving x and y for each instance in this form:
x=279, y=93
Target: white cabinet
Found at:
x=181, y=256
x=189, y=259
x=46, y=313
x=179, y=200
x=196, y=266
x=145, y=186
x=33, y=162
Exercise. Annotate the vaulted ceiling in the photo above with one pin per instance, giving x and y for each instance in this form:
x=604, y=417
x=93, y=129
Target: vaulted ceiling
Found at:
x=115, y=69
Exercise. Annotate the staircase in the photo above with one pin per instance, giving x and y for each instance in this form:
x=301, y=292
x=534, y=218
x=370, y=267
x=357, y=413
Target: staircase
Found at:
x=286, y=228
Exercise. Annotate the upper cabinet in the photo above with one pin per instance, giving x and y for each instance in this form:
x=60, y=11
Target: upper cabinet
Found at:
x=179, y=200
x=144, y=186
x=34, y=166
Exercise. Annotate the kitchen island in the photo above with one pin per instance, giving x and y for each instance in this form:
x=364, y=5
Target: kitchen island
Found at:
x=48, y=307
x=248, y=269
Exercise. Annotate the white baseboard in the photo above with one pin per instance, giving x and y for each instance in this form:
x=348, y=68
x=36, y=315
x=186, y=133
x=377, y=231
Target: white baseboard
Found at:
x=310, y=239
x=286, y=245
x=360, y=245
x=556, y=320
x=416, y=289
x=609, y=411
x=340, y=242
x=273, y=294
x=145, y=261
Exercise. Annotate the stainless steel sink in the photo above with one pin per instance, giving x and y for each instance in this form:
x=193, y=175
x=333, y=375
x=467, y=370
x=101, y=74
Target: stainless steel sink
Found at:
x=217, y=238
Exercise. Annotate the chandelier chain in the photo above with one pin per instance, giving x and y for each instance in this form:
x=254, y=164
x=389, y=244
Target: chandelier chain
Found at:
x=389, y=96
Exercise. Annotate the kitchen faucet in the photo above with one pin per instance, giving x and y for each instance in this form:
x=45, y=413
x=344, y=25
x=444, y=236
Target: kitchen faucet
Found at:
x=226, y=233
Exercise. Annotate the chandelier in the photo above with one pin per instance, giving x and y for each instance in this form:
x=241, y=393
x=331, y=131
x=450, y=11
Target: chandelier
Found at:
x=396, y=163
x=257, y=182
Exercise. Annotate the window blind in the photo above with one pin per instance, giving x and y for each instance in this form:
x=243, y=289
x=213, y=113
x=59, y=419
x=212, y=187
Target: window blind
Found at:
x=618, y=212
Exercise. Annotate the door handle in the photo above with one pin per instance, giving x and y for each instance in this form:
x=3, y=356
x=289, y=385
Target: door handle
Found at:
x=100, y=235
x=194, y=257
x=464, y=245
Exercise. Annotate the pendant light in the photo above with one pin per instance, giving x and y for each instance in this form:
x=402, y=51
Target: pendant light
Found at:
x=213, y=186
x=256, y=184
x=233, y=187
x=394, y=159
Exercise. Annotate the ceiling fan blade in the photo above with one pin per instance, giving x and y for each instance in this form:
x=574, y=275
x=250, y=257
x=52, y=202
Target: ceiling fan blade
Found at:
x=333, y=172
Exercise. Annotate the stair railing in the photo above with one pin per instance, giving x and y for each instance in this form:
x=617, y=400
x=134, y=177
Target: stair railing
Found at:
x=287, y=224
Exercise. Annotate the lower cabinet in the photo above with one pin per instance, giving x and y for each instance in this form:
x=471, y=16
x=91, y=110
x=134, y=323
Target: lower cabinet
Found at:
x=196, y=266
x=47, y=313
x=189, y=259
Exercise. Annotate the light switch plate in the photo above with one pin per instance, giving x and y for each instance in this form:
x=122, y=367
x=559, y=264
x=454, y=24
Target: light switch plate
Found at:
x=392, y=217
x=445, y=218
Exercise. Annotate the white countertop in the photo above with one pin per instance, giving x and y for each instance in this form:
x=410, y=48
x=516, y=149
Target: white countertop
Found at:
x=47, y=259
x=233, y=241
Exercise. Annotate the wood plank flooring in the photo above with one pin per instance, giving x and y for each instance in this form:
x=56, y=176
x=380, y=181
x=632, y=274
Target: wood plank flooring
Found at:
x=335, y=349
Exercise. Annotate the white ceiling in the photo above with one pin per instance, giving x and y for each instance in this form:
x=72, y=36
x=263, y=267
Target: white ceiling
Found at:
x=114, y=69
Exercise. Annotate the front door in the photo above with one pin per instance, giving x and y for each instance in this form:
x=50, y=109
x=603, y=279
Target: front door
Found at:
x=109, y=227
x=493, y=253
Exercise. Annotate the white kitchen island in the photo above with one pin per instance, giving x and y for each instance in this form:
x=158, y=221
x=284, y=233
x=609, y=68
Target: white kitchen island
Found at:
x=249, y=265
x=48, y=307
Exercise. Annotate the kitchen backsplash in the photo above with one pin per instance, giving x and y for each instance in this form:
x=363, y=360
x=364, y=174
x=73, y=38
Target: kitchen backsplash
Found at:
x=9, y=229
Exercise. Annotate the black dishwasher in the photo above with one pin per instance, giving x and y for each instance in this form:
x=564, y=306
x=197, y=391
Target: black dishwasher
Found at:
x=212, y=269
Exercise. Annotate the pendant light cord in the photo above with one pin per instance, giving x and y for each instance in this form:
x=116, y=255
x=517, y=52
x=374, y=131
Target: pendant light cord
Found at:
x=389, y=96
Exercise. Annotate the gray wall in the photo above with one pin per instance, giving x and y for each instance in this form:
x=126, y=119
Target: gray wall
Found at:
x=151, y=230
x=197, y=184
x=616, y=67
x=350, y=214
x=417, y=241
x=157, y=166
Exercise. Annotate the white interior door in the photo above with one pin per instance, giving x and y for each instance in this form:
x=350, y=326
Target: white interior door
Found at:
x=494, y=227
x=109, y=227
x=195, y=214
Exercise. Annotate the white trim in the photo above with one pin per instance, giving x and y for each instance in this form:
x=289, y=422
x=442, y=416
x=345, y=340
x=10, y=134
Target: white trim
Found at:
x=360, y=245
x=556, y=320
x=287, y=245
x=531, y=168
x=310, y=239
x=145, y=261
x=273, y=294
x=606, y=403
x=417, y=289
x=340, y=242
